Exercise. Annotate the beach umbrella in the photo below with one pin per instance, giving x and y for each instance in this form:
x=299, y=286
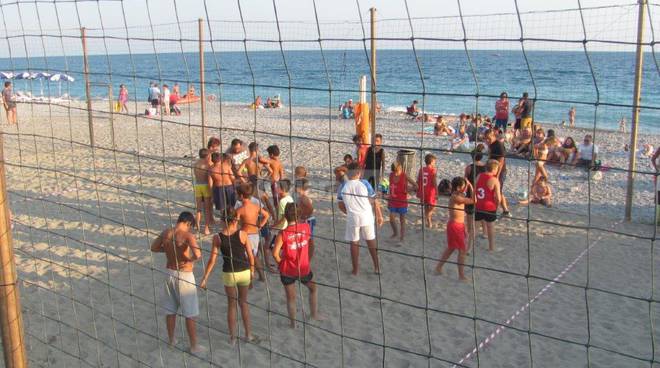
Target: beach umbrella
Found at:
x=6, y=75
x=24, y=76
x=41, y=76
x=59, y=77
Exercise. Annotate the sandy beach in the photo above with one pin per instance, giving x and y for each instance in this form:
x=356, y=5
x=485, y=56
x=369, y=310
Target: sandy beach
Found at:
x=84, y=219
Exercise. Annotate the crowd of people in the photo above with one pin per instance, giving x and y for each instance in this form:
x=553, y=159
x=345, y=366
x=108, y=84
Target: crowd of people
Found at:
x=252, y=220
x=263, y=224
x=266, y=219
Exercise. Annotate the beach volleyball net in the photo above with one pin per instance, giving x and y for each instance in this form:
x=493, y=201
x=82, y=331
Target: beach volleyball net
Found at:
x=89, y=187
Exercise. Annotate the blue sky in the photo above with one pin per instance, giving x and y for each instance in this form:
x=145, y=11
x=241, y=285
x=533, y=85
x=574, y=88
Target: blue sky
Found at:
x=175, y=19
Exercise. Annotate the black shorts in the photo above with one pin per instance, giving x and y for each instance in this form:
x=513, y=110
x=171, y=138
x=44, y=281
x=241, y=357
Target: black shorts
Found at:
x=224, y=197
x=485, y=216
x=286, y=280
x=516, y=126
x=469, y=209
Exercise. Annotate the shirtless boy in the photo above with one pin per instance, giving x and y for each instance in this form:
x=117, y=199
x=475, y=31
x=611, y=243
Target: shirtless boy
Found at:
x=180, y=292
x=456, y=225
x=249, y=169
x=222, y=180
x=202, y=189
x=276, y=171
x=252, y=216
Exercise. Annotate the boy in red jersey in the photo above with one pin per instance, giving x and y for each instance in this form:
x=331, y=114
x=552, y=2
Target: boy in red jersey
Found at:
x=427, y=188
x=487, y=190
x=456, y=225
x=292, y=255
x=398, y=200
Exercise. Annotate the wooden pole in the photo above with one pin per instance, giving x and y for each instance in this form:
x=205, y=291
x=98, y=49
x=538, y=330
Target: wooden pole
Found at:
x=11, y=322
x=88, y=93
x=202, y=89
x=374, y=103
x=112, y=116
x=637, y=92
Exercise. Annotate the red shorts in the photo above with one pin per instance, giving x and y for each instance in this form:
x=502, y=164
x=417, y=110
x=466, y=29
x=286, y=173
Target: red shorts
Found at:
x=430, y=197
x=456, y=236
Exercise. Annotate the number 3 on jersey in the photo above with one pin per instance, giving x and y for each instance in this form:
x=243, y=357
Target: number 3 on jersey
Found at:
x=481, y=194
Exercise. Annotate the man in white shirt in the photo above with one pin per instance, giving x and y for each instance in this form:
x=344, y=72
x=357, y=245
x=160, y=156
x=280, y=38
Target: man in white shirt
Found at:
x=587, y=153
x=154, y=95
x=357, y=199
x=238, y=155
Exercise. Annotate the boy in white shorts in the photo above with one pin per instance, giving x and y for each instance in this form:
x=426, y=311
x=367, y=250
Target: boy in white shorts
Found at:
x=357, y=199
x=180, y=292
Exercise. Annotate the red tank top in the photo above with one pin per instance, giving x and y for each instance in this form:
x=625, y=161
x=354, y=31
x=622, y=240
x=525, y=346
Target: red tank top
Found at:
x=295, y=250
x=485, y=195
x=398, y=192
x=425, y=183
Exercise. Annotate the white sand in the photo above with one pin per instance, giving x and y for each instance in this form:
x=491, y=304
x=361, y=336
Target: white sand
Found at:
x=90, y=279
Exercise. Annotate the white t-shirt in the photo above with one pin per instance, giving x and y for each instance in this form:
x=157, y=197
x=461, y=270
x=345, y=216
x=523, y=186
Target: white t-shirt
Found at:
x=238, y=158
x=586, y=152
x=280, y=211
x=356, y=195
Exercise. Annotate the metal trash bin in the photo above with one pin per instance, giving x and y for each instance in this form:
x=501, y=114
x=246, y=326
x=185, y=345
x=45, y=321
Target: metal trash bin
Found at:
x=408, y=162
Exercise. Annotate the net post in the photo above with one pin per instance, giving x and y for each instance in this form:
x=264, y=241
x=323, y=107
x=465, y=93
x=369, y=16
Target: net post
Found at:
x=88, y=94
x=639, y=62
x=11, y=321
x=111, y=112
x=372, y=12
x=202, y=89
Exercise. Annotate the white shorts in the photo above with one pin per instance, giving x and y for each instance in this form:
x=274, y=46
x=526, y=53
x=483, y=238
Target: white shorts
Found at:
x=180, y=292
x=254, y=242
x=352, y=233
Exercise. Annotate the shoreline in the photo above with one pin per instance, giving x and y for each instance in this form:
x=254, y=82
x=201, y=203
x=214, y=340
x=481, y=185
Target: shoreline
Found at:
x=323, y=111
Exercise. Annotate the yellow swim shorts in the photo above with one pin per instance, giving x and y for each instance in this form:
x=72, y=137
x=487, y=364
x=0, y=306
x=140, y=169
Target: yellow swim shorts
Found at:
x=202, y=190
x=233, y=279
x=525, y=123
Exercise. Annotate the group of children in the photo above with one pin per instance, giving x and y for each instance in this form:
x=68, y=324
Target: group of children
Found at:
x=247, y=216
x=476, y=193
x=481, y=199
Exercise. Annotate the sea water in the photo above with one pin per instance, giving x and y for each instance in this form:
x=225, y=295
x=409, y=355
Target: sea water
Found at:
x=599, y=85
